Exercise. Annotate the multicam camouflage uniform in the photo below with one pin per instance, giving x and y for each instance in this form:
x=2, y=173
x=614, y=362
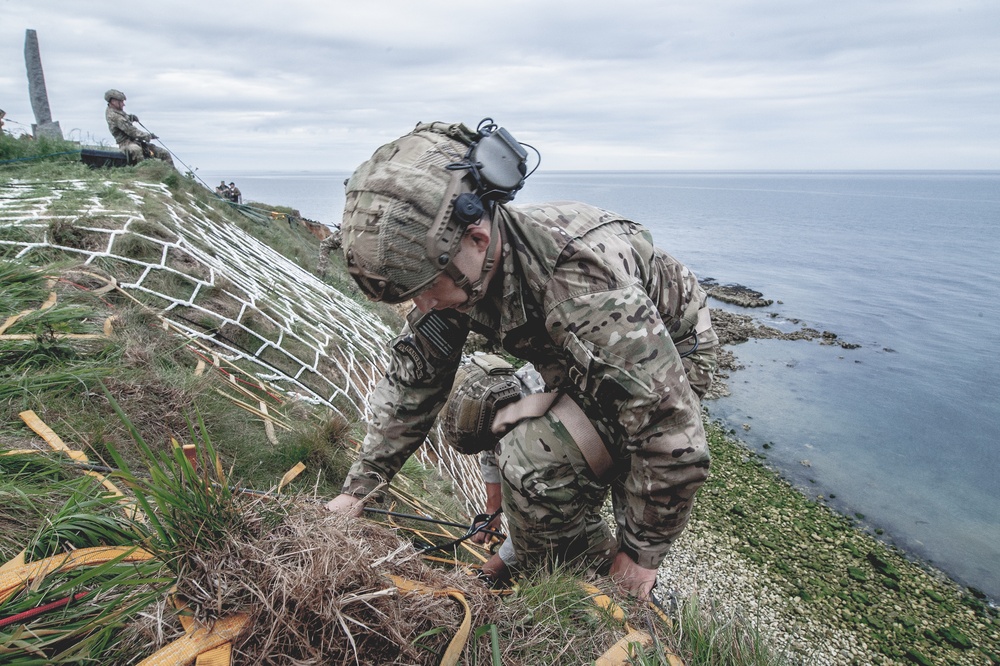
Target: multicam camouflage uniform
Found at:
x=604, y=316
x=326, y=246
x=130, y=138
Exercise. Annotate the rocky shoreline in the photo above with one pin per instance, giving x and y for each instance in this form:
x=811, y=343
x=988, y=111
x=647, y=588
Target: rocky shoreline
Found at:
x=813, y=581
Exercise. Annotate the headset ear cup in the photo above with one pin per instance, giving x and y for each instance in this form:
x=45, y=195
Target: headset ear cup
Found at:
x=468, y=208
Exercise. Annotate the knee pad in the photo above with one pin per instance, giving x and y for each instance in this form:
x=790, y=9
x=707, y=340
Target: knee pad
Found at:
x=482, y=386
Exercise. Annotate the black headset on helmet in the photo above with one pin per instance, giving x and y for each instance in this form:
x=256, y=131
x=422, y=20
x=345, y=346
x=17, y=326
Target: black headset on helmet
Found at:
x=498, y=164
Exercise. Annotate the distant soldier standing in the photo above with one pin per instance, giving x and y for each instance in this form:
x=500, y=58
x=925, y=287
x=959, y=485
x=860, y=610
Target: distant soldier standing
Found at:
x=222, y=190
x=130, y=139
x=326, y=246
x=234, y=193
x=3, y=114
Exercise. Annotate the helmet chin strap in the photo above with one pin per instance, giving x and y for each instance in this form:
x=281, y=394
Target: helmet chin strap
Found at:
x=476, y=290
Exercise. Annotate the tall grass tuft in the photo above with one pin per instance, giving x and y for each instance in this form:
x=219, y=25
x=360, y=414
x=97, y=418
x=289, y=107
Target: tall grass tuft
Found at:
x=713, y=636
x=193, y=514
x=93, y=603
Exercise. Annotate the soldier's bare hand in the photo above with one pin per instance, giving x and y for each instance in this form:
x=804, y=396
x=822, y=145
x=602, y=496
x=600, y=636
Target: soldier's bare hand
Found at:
x=631, y=578
x=346, y=504
x=483, y=537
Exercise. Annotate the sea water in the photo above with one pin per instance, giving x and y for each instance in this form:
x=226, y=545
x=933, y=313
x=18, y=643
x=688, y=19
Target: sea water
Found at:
x=903, y=430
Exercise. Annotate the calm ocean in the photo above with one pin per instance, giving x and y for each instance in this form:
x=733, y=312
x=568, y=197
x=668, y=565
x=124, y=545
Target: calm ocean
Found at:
x=903, y=430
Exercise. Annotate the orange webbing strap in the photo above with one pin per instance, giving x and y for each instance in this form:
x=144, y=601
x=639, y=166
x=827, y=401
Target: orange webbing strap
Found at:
x=53, y=440
x=618, y=654
x=13, y=563
x=605, y=603
x=268, y=423
x=10, y=321
x=290, y=475
x=13, y=579
x=217, y=656
x=206, y=646
x=457, y=644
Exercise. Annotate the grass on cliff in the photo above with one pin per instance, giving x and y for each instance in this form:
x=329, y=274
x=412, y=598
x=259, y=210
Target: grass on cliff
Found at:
x=26, y=148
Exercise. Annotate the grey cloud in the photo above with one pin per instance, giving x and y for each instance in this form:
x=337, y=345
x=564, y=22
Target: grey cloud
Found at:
x=629, y=84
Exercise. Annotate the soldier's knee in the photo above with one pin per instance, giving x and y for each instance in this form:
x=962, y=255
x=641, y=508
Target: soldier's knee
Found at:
x=133, y=152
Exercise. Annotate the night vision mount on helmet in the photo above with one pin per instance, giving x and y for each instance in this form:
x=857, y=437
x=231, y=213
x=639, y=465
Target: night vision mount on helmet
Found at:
x=408, y=206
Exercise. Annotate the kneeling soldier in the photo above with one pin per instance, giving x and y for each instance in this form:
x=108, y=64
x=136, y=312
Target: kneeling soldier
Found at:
x=618, y=329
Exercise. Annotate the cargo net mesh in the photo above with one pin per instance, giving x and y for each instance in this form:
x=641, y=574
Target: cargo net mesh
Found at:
x=219, y=285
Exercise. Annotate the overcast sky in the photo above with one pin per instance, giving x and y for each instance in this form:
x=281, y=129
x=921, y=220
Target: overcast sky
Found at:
x=622, y=84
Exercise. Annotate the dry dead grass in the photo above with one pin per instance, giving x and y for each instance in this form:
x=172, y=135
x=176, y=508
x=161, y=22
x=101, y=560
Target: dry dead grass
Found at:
x=317, y=589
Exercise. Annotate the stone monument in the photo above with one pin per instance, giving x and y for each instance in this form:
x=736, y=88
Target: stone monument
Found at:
x=44, y=125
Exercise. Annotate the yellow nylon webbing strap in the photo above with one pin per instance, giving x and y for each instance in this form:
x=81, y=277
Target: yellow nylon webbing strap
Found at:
x=617, y=654
x=268, y=423
x=218, y=656
x=11, y=320
x=604, y=602
x=46, y=433
x=11, y=580
x=51, y=300
x=53, y=440
x=457, y=644
x=13, y=563
x=198, y=641
x=290, y=475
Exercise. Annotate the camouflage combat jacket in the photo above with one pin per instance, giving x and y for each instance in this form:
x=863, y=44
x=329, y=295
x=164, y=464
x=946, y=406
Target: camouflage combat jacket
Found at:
x=122, y=128
x=585, y=296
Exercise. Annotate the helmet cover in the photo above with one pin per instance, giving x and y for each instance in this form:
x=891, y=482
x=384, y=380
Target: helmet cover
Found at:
x=397, y=229
x=114, y=94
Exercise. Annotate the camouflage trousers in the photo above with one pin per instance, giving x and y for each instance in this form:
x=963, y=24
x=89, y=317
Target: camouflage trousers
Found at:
x=133, y=151
x=551, y=498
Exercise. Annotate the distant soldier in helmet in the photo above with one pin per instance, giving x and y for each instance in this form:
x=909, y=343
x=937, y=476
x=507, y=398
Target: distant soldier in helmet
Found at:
x=132, y=141
x=618, y=330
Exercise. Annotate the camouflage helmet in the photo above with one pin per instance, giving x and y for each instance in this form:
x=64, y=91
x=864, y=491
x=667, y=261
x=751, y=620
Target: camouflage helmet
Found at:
x=114, y=94
x=482, y=386
x=399, y=228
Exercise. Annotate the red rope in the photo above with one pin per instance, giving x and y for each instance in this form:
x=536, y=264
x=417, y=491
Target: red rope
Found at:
x=39, y=610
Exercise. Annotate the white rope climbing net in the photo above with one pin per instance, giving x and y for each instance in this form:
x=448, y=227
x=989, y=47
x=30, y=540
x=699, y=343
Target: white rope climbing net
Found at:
x=221, y=286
